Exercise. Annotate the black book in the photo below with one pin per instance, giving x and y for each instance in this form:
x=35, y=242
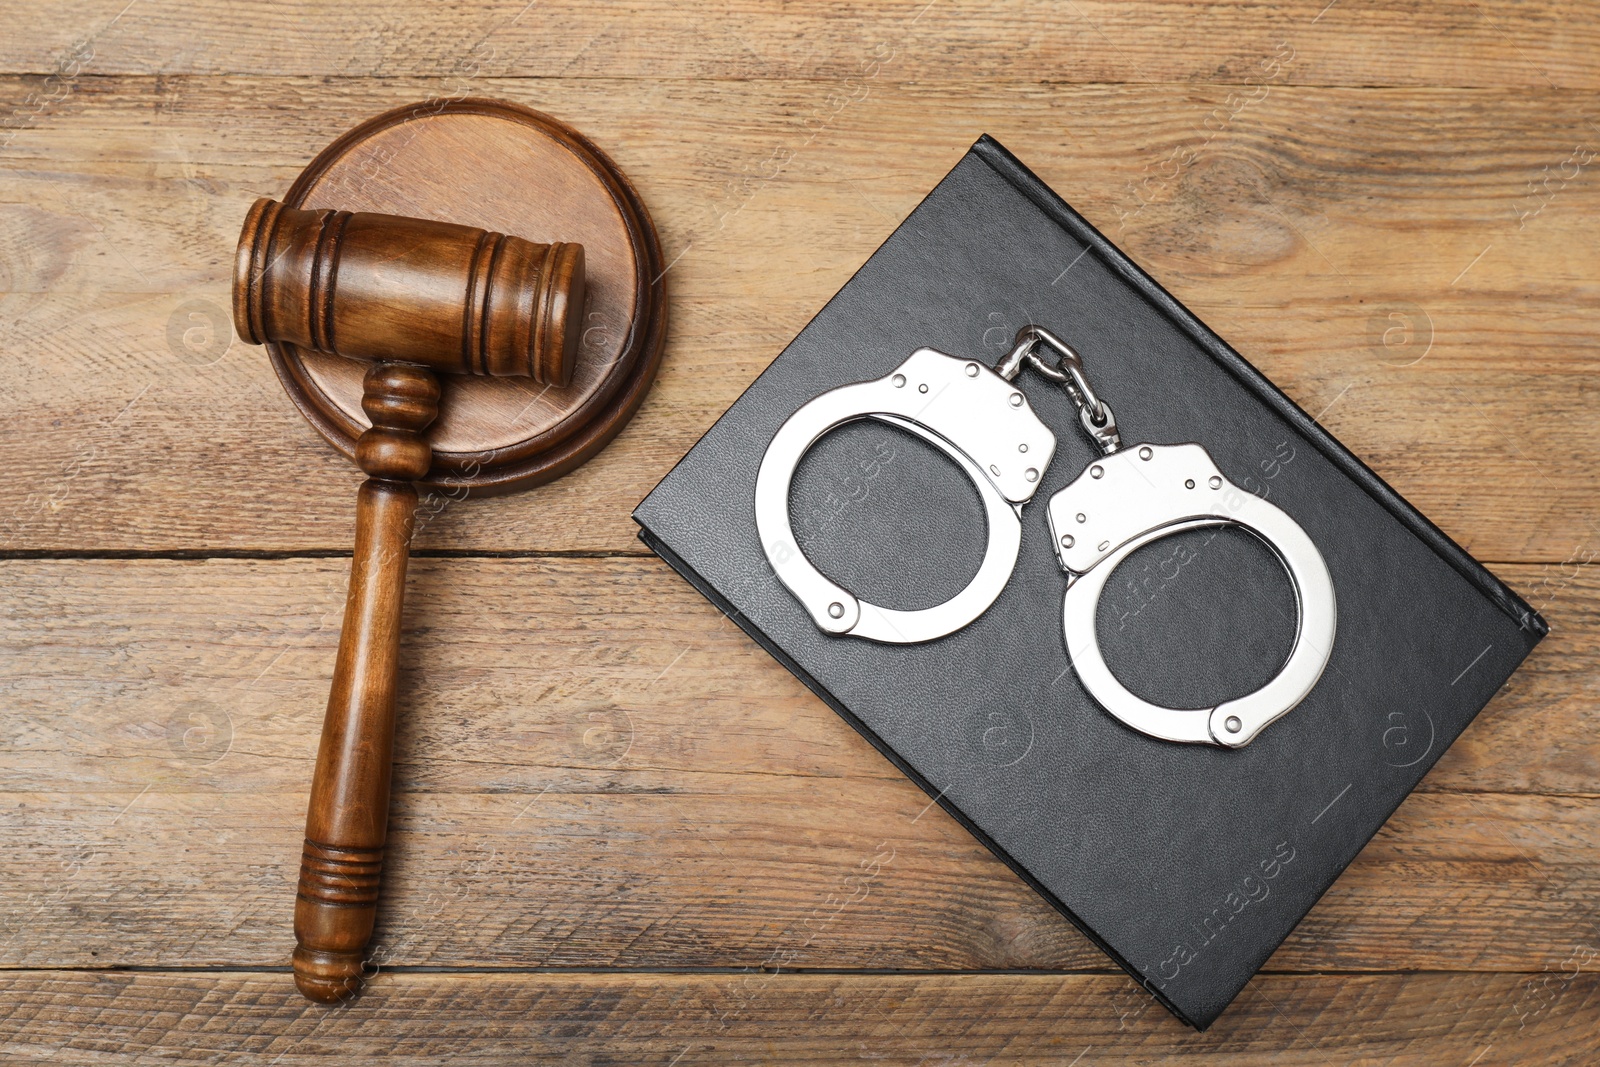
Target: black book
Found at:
x=1187, y=864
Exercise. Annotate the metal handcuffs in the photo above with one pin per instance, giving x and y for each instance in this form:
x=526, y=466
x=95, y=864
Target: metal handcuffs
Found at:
x=1120, y=503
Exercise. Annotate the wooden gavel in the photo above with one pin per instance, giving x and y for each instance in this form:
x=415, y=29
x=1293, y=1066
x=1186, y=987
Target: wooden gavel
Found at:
x=412, y=297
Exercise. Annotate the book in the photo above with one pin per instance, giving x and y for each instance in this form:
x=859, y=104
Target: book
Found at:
x=1187, y=864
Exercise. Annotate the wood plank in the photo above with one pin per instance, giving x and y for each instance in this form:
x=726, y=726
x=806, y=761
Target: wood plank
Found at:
x=1329, y=169
x=1491, y=43
x=1318, y=224
x=684, y=1020
x=723, y=871
x=596, y=769
x=505, y=659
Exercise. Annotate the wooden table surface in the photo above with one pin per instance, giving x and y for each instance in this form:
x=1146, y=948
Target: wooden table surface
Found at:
x=621, y=833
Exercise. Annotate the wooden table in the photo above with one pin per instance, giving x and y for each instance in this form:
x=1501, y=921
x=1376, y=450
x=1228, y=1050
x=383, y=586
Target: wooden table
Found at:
x=621, y=833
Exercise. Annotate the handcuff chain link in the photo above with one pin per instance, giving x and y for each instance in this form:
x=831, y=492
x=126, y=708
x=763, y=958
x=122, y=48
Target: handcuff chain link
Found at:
x=1094, y=414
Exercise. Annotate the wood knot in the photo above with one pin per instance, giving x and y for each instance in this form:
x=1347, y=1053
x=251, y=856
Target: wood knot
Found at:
x=402, y=401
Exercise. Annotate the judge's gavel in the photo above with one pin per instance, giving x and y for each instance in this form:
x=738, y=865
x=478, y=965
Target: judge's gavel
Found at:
x=412, y=297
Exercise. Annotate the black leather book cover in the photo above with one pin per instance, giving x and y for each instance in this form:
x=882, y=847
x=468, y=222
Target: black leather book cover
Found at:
x=1188, y=864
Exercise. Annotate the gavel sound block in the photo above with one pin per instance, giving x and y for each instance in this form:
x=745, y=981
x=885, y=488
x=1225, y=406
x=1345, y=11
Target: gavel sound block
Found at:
x=393, y=301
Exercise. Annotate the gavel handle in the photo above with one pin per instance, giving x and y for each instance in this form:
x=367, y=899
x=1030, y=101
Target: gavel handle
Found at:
x=347, y=820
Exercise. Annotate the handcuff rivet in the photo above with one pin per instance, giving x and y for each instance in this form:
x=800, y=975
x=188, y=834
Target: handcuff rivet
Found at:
x=975, y=420
x=1138, y=506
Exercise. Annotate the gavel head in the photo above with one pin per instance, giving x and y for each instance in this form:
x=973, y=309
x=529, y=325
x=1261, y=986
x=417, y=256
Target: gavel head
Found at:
x=384, y=287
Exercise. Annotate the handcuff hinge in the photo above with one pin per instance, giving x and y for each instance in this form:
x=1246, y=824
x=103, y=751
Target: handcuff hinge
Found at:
x=1094, y=414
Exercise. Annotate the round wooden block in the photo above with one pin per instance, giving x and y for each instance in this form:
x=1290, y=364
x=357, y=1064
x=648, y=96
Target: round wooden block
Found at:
x=513, y=170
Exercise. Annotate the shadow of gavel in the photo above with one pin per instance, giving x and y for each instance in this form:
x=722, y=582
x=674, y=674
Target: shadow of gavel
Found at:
x=413, y=298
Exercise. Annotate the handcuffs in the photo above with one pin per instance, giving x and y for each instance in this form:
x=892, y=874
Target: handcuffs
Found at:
x=1128, y=498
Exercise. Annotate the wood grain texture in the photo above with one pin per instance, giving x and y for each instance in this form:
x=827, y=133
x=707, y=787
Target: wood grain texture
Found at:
x=1384, y=286
x=594, y=768
x=1419, y=1020
x=1458, y=43
x=336, y=900
x=510, y=170
x=611, y=874
x=1389, y=208
x=306, y=278
x=102, y=653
